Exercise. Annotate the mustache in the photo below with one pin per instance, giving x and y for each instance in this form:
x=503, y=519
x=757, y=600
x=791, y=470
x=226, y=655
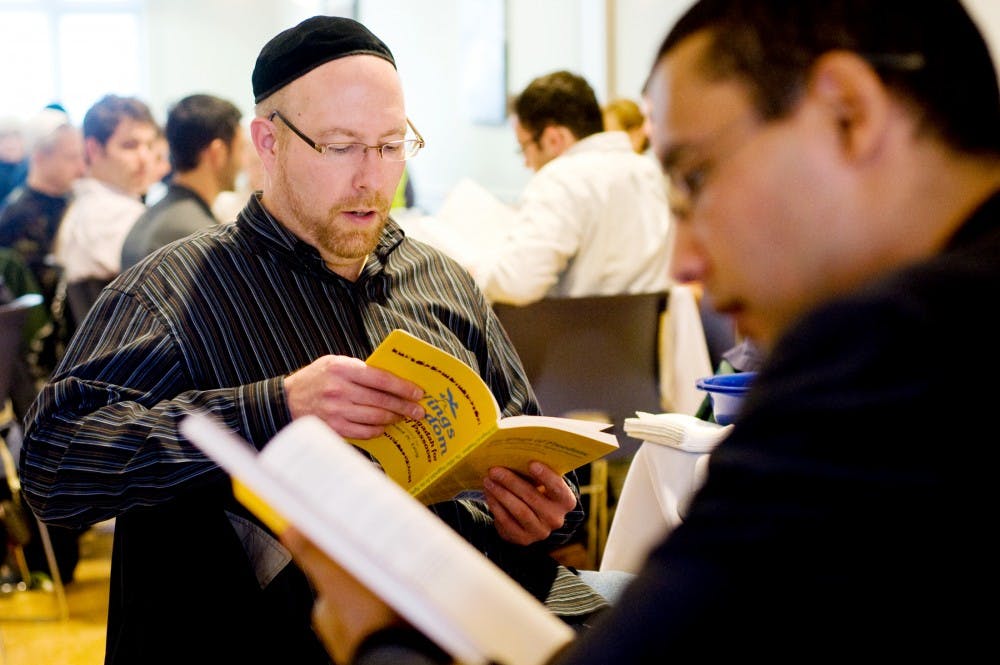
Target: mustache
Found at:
x=375, y=201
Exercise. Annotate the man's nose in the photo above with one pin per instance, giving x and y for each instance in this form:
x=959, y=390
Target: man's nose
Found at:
x=688, y=262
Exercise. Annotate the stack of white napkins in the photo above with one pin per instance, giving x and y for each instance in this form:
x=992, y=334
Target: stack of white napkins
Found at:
x=678, y=430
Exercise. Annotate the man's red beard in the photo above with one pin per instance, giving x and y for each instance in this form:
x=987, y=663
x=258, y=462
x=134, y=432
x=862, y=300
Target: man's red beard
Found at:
x=328, y=233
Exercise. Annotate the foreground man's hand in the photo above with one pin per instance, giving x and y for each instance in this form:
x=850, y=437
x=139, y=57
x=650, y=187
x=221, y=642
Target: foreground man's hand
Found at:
x=345, y=611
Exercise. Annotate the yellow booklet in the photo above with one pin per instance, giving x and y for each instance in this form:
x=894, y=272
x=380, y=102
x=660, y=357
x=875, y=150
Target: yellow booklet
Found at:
x=462, y=434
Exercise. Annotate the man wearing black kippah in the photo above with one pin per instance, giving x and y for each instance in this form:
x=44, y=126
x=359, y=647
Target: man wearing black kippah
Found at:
x=260, y=322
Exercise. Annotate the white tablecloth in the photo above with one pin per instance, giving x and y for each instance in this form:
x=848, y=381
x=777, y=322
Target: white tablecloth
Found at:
x=661, y=480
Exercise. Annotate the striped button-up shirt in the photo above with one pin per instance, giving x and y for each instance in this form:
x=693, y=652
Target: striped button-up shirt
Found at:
x=214, y=323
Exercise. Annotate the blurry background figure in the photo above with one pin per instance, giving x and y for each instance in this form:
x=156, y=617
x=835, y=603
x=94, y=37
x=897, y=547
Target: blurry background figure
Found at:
x=13, y=155
x=159, y=171
x=119, y=141
x=30, y=218
x=625, y=115
x=16, y=280
x=250, y=179
x=207, y=147
x=593, y=219
x=405, y=197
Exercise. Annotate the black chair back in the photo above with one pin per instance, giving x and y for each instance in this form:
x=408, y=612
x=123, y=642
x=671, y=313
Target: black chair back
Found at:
x=593, y=354
x=12, y=318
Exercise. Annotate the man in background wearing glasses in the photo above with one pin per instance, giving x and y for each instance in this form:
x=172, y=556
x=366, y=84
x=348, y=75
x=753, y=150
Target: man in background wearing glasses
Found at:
x=594, y=218
x=259, y=322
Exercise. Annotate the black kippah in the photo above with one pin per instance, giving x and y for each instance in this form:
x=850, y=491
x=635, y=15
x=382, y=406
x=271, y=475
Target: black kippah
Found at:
x=302, y=48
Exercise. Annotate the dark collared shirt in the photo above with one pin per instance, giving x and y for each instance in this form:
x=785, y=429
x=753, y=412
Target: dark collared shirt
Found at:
x=214, y=324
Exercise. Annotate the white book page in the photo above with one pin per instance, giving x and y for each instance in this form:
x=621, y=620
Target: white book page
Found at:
x=389, y=541
x=468, y=226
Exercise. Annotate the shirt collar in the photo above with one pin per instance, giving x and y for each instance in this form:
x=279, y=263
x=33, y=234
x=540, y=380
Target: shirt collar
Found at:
x=283, y=242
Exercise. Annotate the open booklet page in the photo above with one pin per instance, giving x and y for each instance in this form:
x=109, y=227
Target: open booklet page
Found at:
x=462, y=435
x=309, y=476
x=469, y=224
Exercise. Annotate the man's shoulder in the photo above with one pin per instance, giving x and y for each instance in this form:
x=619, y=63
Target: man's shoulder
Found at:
x=167, y=209
x=598, y=156
x=920, y=315
x=592, y=173
x=186, y=261
x=14, y=207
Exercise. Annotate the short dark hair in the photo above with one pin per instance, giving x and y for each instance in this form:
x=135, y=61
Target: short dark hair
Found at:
x=929, y=53
x=559, y=98
x=103, y=118
x=194, y=122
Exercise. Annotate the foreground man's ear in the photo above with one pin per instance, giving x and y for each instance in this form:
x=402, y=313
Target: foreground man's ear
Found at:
x=857, y=101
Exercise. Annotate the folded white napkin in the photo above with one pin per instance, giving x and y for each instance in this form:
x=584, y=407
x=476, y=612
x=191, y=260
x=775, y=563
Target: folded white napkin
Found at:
x=678, y=430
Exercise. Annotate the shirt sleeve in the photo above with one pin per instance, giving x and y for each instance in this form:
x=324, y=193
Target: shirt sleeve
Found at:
x=543, y=238
x=102, y=437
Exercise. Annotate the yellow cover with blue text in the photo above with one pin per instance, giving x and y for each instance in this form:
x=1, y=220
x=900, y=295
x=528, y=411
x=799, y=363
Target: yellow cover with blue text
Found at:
x=462, y=434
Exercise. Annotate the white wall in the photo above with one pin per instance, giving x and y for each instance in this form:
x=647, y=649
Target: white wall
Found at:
x=987, y=15
x=211, y=45
x=542, y=36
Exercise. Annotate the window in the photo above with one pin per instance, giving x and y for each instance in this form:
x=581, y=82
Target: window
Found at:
x=70, y=52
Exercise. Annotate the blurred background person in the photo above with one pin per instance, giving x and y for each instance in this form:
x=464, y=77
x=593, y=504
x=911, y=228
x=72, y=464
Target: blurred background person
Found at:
x=624, y=115
x=593, y=220
x=250, y=179
x=31, y=216
x=159, y=171
x=119, y=140
x=206, y=147
x=13, y=156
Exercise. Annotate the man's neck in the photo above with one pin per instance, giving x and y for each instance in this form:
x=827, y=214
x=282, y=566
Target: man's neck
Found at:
x=202, y=184
x=39, y=185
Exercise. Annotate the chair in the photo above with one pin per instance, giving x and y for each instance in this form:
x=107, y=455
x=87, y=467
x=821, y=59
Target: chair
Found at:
x=12, y=318
x=82, y=295
x=592, y=357
x=597, y=355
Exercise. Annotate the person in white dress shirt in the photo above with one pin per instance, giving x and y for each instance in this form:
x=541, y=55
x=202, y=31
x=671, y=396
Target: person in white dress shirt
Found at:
x=119, y=137
x=593, y=220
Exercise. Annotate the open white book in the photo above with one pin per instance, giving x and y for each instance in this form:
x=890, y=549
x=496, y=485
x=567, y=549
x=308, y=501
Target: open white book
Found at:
x=468, y=226
x=307, y=475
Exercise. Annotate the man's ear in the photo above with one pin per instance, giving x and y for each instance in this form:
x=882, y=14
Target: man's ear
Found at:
x=92, y=149
x=556, y=139
x=856, y=99
x=216, y=153
x=262, y=134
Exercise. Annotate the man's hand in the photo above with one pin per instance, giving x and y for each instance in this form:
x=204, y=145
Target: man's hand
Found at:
x=526, y=511
x=345, y=611
x=355, y=400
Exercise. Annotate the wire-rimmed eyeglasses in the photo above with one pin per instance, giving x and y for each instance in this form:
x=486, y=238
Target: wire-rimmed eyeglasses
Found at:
x=688, y=167
x=392, y=151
